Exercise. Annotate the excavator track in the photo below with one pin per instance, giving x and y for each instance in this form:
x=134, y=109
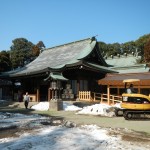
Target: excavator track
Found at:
x=136, y=115
x=119, y=112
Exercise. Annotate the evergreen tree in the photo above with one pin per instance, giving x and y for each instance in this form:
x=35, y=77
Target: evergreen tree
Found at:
x=5, y=63
x=21, y=52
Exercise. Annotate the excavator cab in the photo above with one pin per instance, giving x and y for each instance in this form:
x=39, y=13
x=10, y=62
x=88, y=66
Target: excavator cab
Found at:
x=135, y=105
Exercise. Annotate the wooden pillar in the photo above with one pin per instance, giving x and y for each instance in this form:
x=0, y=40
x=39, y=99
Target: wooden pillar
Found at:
x=13, y=85
x=49, y=93
x=118, y=91
x=37, y=94
x=78, y=88
x=94, y=96
x=108, y=94
x=139, y=90
x=101, y=98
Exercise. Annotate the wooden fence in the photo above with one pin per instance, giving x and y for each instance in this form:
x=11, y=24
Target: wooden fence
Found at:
x=85, y=95
x=98, y=97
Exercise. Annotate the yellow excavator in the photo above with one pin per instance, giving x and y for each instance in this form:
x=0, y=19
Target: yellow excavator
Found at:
x=134, y=105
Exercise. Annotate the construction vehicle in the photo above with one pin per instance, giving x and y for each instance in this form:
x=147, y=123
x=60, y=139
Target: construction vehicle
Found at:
x=134, y=105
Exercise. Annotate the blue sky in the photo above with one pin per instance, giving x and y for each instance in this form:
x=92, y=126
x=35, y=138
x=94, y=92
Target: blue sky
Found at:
x=57, y=22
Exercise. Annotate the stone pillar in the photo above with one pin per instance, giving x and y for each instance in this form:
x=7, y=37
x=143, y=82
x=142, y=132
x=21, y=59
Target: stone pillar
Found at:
x=55, y=105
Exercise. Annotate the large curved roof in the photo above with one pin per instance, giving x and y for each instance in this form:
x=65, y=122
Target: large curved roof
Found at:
x=58, y=57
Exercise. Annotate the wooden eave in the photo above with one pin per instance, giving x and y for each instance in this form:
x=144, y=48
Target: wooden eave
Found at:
x=27, y=74
x=117, y=79
x=89, y=66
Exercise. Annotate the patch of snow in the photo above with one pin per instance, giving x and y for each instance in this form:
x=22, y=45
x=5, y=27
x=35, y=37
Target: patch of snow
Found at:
x=15, y=119
x=57, y=137
x=70, y=107
x=98, y=109
x=1, y=101
x=118, y=105
x=42, y=106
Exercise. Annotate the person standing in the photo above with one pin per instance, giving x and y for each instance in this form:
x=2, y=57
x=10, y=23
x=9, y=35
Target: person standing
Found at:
x=26, y=100
x=131, y=90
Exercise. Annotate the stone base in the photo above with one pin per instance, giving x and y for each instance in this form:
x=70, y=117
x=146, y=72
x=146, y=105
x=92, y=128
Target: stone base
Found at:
x=56, y=105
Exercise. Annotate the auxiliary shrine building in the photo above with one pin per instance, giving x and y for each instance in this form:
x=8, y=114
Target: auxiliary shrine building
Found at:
x=61, y=72
x=127, y=67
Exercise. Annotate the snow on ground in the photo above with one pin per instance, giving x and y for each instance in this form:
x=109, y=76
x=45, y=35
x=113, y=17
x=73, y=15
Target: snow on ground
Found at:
x=41, y=106
x=1, y=101
x=45, y=106
x=96, y=109
x=33, y=135
x=59, y=138
x=16, y=120
x=70, y=107
x=86, y=137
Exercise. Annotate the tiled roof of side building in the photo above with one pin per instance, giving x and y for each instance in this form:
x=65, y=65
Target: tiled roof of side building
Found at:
x=129, y=60
x=127, y=64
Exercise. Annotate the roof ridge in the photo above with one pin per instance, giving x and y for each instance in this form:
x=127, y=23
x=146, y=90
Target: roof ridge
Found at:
x=122, y=74
x=92, y=38
x=131, y=66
